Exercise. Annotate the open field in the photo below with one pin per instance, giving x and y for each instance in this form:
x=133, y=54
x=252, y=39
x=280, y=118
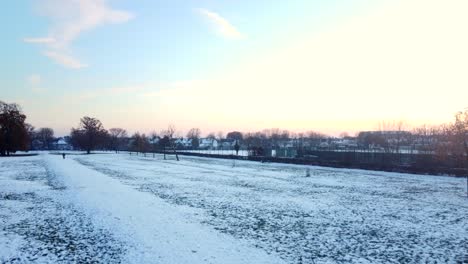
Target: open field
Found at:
x=122, y=208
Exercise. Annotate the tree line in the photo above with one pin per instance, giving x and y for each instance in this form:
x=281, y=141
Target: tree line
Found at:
x=444, y=141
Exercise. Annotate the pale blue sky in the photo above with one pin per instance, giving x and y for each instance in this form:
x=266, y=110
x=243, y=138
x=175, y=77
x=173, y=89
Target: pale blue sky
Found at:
x=118, y=59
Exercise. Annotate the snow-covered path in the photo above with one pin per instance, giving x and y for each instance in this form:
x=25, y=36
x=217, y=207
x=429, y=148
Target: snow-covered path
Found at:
x=156, y=231
x=38, y=222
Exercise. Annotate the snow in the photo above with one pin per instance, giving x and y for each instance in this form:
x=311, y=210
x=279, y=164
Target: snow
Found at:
x=134, y=209
x=158, y=229
x=148, y=228
x=242, y=153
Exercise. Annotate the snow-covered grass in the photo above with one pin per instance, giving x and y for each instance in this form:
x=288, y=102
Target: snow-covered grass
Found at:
x=122, y=208
x=242, y=153
x=38, y=224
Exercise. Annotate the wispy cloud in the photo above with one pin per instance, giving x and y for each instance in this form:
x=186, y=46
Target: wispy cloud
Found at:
x=39, y=40
x=65, y=60
x=69, y=20
x=222, y=26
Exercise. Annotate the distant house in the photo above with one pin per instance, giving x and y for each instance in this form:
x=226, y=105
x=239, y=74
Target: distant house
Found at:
x=183, y=143
x=62, y=144
x=227, y=144
x=344, y=143
x=287, y=143
x=208, y=143
x=324, y=145
x=154, y=140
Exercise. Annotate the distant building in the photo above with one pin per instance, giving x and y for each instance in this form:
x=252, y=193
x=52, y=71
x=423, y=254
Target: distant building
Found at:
x=384, y=140
x=154, y=141
x=287, y=152
x=227, y=144
x=344, y=143
x=61, y=144
x=183, y=143
x=208, y=143
x=324, y=145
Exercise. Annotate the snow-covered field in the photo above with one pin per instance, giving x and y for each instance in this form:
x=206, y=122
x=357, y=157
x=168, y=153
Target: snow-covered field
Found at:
x=242, y=153
x=112, y=208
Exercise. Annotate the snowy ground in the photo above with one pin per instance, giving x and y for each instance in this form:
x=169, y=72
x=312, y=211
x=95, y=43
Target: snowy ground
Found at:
x=242, y=153
x=120, y=208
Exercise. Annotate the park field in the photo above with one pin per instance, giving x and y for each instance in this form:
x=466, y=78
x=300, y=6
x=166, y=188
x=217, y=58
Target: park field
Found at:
x=112, y=208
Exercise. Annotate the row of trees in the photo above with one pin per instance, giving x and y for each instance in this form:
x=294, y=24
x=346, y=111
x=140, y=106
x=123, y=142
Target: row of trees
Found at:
x=143, y=144
x=445, y=140
x=91, y=135
x=17, y=135
x=391, y=137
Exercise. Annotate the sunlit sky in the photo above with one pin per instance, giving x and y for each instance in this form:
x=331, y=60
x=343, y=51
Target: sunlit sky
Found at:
x=223, y=65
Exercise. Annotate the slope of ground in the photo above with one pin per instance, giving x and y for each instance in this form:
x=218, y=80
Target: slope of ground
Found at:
x=90, y=217
x=336, y=215
x=38, y=224
x=119, y=208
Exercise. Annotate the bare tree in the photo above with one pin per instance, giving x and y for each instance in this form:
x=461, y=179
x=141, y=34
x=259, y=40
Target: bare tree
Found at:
x=256, y=143
x=274, y=135
x=168, y=140
x=89, y=135
x=285, y=134
x=46, y=135
x=315, y=135
x=31, y=134
x=144, y=144
x=440, y=145
x=154, y=138
x=211, y=135
x=384, y=137
x=170, y=131
x=135, y=142
x=140, y=143
x=460, y=133
x=194, y=134
x=164, y=143
x=460, y=138
x=116, y=136
x=422, y=139
x=399, y=127
x=314, y=138
x=344, y=134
